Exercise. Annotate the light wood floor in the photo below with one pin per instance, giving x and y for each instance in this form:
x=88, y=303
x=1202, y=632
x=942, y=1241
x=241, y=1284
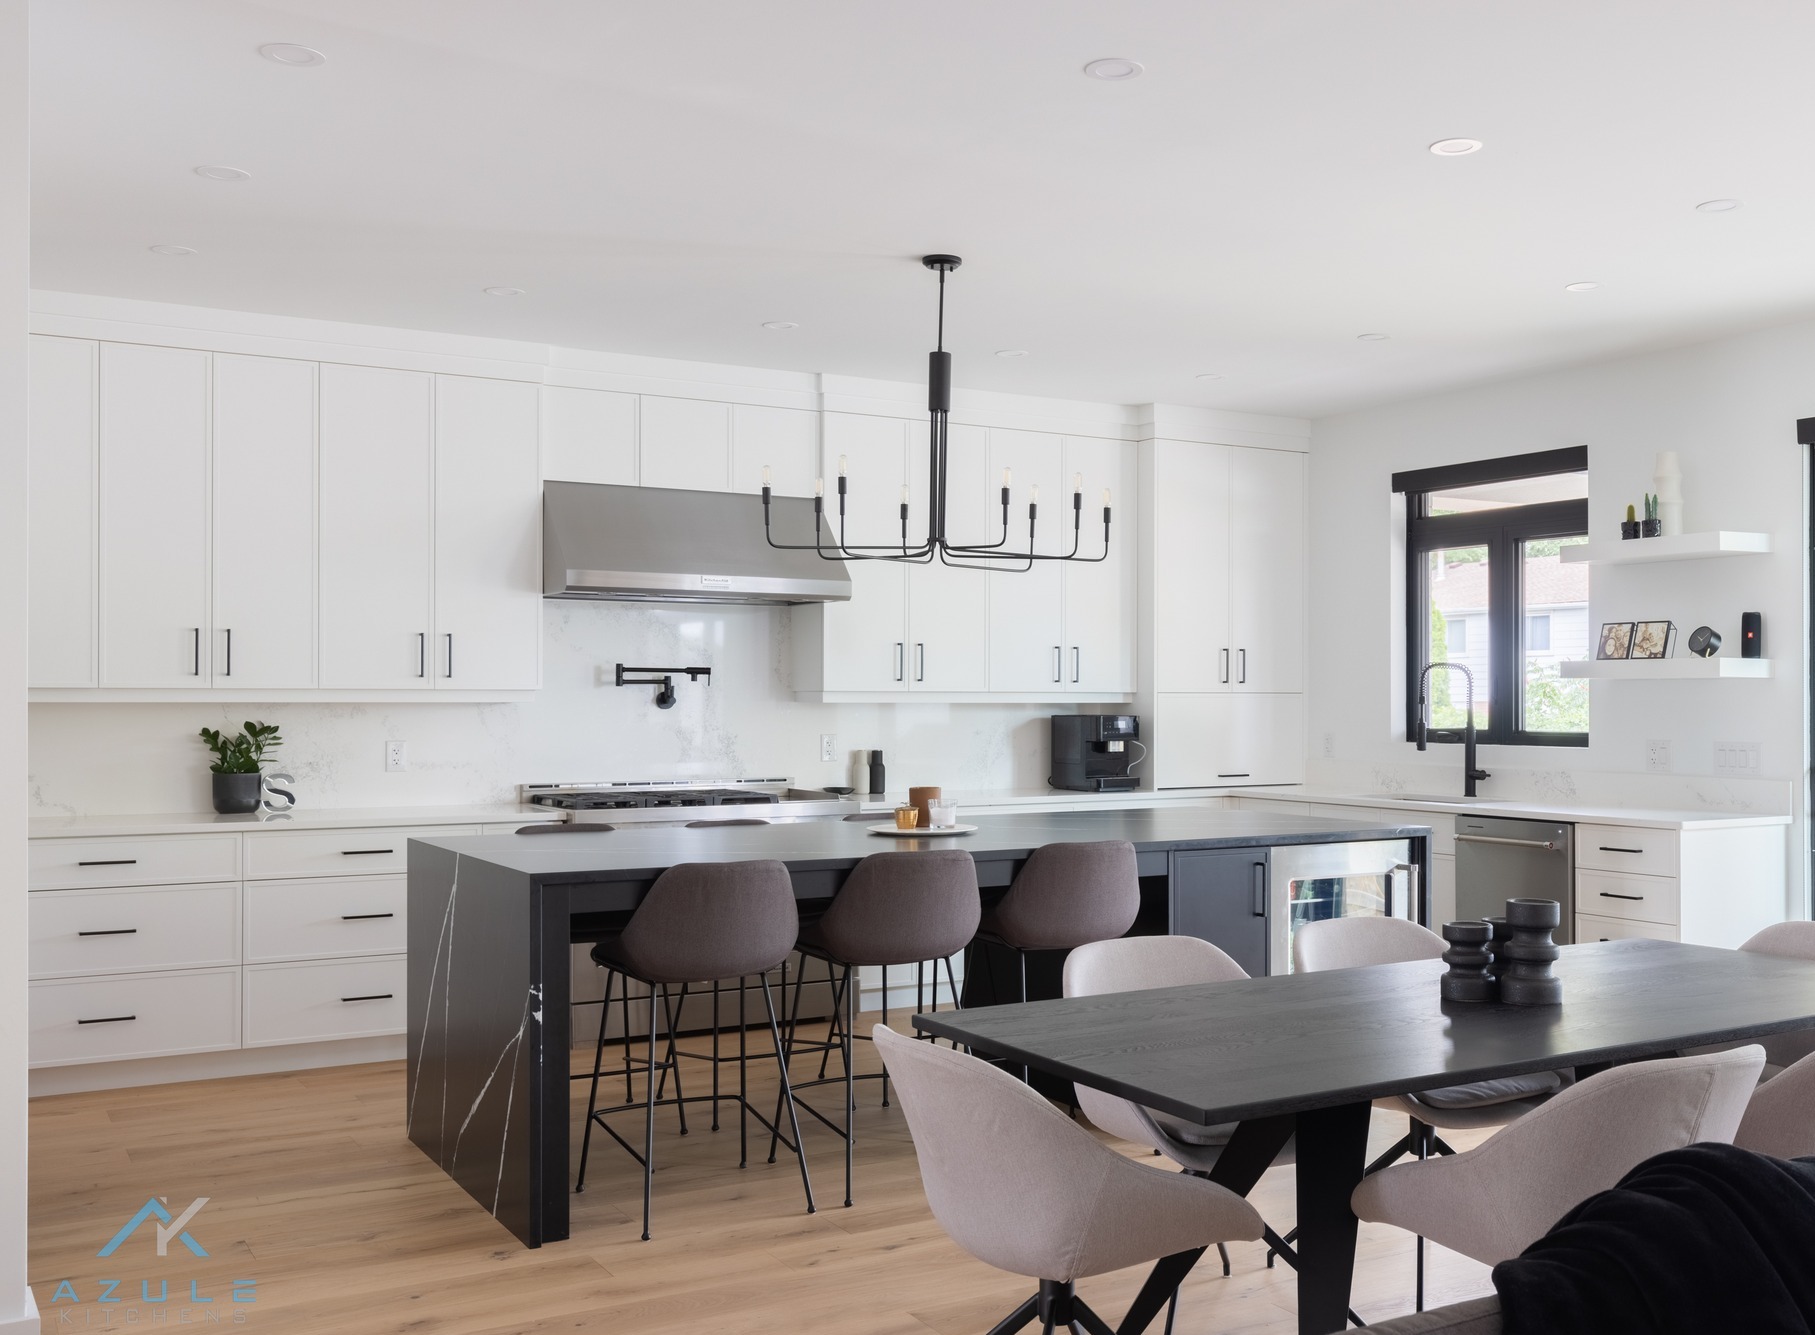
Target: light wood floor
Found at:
x=317, y=1196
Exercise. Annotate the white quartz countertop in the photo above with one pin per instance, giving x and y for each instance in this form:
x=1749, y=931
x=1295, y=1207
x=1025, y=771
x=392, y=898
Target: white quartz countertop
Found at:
x=1530, y=809
x=208, y=822
x=1046, y=797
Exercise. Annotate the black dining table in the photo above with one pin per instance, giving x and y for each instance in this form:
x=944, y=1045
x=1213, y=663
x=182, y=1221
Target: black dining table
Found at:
x=1306, y=1054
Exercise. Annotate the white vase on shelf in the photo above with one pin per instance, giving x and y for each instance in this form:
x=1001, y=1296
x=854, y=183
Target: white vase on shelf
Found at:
x=1667, y=485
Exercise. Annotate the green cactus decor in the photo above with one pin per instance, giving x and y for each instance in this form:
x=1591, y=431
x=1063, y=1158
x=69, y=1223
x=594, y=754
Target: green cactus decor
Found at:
x=1632, y=516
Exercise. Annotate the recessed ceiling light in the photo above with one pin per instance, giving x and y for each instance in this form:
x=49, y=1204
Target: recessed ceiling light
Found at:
x=1717, y=206
x=223, y=173
x=1456, y=148
x=781, y=324
x=1012, y=352
x=1580, y=287
x=1115, y=68
x=503, y=291
x=1209, y=375
x=173, y=250
x=289, y=53
x=1373, y=338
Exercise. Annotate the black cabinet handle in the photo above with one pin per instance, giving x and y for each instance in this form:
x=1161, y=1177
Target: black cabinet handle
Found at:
x=1241, y=676
x=110, y=862
x=1074, y=663
x=196, y=671
x=229, y=651
x=1225, y=667
x=920, y=662
x=109, y=1019
x=422, y=653
x=1260, y=890
x=113, y=931
x=450, y=655
x=361, y=917
x=376, y=996
x=1243, y=775
x=364, y=852
x=900, y=661
x=1605, y=848
x=1608, y=894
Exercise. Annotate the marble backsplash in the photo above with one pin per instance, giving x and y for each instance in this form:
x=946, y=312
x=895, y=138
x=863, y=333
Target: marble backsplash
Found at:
x=107, y=759
x=1590, y=787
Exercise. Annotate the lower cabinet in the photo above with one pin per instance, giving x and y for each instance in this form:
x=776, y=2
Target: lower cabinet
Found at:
x=134, y=1015
x=1220, y=895
x=1209, y=740
x=1592, y=927
x=318, y=1000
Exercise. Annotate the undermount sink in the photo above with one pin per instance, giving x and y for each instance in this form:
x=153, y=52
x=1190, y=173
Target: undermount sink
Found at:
x=1448, y=801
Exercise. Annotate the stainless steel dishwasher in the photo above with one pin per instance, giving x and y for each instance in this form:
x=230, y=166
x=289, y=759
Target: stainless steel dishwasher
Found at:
x=1498, y=859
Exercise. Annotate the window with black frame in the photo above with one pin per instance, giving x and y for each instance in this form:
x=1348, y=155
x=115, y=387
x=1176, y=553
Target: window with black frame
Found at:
x=1487, y=590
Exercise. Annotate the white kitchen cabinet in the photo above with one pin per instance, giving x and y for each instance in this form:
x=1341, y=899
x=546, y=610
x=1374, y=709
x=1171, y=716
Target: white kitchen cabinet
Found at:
x=684, y=443
x=1101, y=625
x=1027, y=607
x=1267, y=569
x=783, y=440
x=153, y=517
x=1187, y=524
x=61, y=443
x=377, y=551
x=1212, y=739
x=589, y=435
x=264, y=522
x=488, y=523
x=948, y=617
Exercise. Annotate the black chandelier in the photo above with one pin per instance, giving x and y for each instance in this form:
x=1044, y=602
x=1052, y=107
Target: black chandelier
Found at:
x=992, y=556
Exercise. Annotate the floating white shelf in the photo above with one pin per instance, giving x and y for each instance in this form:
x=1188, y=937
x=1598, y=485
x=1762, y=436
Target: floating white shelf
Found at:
x=1667, y=669
x=1682, y=547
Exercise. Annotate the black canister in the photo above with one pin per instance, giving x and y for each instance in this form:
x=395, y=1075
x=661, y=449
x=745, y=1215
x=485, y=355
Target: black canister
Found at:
x=878, y=775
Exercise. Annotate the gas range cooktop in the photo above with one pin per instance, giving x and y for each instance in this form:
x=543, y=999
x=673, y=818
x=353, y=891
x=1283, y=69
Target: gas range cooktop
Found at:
x=636, y=799
x=646, y=803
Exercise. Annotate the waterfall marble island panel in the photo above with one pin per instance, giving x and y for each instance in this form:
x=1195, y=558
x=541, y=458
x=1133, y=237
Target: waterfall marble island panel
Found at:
x=491, y=919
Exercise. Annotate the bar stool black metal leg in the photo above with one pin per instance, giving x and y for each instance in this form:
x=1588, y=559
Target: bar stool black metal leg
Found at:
x=743, y=1082
x=714, y=1049
x=800, y=985
x=1424, y=1135
x=649, y=1119
x=592, y=1098
x=629, y=1089
x=787, y=1092
x=850, y=1078
x=672, y=1064
x=1021, y=955
x=1172, y=1307
x=885, y=1025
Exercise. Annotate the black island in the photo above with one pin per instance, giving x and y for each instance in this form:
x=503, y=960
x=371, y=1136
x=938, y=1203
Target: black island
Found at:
x=492, y=917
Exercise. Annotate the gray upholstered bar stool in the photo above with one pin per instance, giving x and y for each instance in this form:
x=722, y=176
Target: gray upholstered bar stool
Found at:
x=700, y=922
x=894, y=908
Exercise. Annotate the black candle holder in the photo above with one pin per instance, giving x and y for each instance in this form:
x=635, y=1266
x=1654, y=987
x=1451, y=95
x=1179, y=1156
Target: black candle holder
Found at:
x=1496, y=948
x=1526, y=978
x=1467, y=957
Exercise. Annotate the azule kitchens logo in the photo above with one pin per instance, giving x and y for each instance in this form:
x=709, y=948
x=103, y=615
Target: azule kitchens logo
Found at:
x=113, y=1304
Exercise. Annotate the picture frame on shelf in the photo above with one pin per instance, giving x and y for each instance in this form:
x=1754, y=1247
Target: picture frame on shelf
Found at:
x=1653, y=639
x=1616, y=640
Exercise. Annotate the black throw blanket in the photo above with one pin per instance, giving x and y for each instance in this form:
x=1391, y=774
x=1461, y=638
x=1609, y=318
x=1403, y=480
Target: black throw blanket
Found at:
x=1698, y=1240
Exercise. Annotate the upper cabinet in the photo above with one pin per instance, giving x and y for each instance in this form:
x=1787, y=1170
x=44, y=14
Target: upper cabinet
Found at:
x=264, y=523
x=61, y=539
x=377, y=515
x=684, y=443
x=1100, y=598
x=1267, y=563
x=488, y=524
x=783, y=440
x=589, y=435
x=153, y=517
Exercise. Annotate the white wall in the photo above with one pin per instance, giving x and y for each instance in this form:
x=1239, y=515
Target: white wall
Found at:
x=1730, y=408
x=93, y=759
x=17, y=1311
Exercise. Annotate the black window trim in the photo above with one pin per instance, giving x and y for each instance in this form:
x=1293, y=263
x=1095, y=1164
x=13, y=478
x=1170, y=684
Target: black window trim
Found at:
x=1503, y=533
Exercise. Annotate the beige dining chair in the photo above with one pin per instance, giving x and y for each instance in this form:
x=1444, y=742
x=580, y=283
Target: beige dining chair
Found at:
x=1023, y=1188
x=1780, y=1116
x=1494, y=1201
x=1791, y=940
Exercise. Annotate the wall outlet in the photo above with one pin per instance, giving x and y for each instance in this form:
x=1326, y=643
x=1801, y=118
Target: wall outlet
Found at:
x=1657, y=757
x=396, y=757
x=1329, y=746
x=1740, y=759
x=827, y=742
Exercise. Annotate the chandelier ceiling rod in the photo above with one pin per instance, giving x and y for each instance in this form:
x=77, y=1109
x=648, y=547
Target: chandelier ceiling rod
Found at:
x=937, y=545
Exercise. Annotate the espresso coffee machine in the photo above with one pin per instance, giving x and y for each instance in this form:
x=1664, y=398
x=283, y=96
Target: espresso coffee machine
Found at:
x=1091, y=752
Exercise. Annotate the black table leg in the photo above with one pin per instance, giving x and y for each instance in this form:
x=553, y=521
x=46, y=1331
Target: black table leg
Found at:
x=1250, y=1152
x=1332, y=1151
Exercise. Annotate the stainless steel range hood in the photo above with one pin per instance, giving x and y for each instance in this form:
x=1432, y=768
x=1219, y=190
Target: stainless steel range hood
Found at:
x=651, y=544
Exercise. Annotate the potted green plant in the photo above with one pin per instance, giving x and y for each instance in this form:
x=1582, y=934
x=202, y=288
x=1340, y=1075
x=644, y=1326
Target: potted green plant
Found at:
x=236, y=765
x=1652, y=526
x=1630, y=529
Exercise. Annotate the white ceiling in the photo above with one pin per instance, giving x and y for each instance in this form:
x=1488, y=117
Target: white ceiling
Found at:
x=662, y=176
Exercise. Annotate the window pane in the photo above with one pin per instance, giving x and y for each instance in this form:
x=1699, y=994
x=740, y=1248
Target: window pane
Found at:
x=1457, y=578
x=1556, y=598
x=1505, y=495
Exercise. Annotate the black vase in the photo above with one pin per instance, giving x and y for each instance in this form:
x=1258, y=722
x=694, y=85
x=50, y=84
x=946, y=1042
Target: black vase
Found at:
x=1525, y=976
x=1629, y=528
x=1467, y=957
x=236, y=794
x=1651, y=528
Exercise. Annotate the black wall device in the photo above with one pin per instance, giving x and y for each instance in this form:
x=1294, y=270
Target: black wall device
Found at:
x=1751, y=635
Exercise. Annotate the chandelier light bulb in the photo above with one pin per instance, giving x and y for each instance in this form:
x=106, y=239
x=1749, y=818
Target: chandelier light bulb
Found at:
x=1077, y=482
x=766, y=475
x=819, y=486
x=843, y=463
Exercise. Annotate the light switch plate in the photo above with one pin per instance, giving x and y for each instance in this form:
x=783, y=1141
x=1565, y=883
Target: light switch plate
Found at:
x=1739, y=759
x=1657, y=757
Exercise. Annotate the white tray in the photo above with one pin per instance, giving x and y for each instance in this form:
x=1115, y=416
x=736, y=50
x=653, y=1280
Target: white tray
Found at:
x=919, y=832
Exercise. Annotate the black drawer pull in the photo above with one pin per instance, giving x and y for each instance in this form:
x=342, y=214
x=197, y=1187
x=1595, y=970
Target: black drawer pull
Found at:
x=1608, y=894
x=109, y=862
x=1606, y=848
x=113, y=931
x=376, y=996
x=364, y=852
x=1243, y=775
x=109, y=1019
x=361, y=917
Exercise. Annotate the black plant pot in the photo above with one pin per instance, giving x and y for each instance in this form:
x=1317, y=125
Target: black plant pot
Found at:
x=1651, y=528
x=236, y=794
x=1629, y=528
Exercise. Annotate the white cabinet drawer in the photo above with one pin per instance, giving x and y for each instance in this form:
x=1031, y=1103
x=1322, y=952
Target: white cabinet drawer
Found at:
x=1627, y=848
x=1590, y=927
x=141, y=1015
x=314, y=919
x=76, y=932
x=337, y=852
x=62, y=864
x=1645, y=898
x=304, y=1003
